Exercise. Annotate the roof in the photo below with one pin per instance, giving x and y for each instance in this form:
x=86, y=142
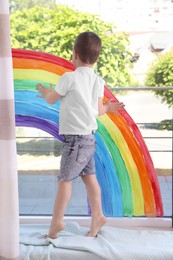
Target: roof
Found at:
x=161, y=40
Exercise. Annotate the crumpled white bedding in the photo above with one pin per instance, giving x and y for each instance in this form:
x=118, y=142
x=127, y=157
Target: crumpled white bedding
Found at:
x=110, y=244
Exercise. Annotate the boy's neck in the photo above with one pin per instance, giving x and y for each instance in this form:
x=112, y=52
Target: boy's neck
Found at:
x=78, y=63
x=85, y=65
x=82, y=64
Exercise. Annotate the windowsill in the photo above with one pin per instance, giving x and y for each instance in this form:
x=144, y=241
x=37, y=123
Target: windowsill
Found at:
x=154, y=223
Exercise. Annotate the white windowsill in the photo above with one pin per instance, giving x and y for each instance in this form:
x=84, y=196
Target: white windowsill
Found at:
x=126, y=222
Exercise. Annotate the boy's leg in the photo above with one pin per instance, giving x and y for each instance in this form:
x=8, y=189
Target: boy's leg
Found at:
x=94, y=195
x=61, y=200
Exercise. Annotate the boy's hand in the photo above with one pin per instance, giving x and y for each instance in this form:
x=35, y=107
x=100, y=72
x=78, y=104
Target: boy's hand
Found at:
x=43, y=90
x=113, y=107
x=49, y=94
x=110, y=106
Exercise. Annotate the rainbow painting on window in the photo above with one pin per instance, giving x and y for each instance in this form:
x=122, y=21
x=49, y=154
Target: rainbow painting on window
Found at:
x=124, y=167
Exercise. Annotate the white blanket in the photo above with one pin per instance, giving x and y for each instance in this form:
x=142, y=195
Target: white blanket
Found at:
x=110, y=244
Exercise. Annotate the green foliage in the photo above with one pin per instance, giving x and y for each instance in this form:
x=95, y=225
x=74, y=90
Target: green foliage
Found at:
x=166, y=124
x=38, y=147
x=161, y=74
x=54, y=30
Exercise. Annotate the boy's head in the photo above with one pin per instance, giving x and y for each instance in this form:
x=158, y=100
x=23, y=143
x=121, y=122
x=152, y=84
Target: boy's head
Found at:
x=88, y=46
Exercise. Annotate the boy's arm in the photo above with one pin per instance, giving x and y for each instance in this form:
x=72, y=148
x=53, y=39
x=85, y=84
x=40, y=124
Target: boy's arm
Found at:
x=109, y=107
x=49, y=94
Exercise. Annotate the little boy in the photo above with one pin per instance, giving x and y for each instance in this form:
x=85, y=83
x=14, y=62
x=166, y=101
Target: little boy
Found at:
x=81, y=93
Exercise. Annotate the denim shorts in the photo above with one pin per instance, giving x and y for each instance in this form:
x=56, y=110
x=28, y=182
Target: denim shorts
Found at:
x=77, y=157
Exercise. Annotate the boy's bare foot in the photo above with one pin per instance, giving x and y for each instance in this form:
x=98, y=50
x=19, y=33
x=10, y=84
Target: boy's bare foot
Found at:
x=96, y=224
x=54, y=229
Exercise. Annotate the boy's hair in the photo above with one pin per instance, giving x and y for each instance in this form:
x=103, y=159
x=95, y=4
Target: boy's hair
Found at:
x=88, y=46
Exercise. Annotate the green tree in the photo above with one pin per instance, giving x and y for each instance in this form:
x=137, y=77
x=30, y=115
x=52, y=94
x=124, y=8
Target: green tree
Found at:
x=16, y=5
x=161, y=74
x=54, y=30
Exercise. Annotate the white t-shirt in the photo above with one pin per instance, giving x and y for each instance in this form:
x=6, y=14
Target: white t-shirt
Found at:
x=80, y=90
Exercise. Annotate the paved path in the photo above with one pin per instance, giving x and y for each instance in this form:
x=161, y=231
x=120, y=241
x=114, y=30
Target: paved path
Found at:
x=37, y=195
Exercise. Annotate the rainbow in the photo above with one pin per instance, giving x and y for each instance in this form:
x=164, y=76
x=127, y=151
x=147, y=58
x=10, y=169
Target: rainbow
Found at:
x=124, y=167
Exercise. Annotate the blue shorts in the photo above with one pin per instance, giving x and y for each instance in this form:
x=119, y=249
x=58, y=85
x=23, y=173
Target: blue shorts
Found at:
x=77, y=157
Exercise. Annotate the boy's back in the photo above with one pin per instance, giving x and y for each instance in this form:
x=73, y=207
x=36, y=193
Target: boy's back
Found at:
x=79, y=92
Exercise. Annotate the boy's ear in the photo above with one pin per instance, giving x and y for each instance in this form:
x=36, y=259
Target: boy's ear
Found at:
x=75, y=55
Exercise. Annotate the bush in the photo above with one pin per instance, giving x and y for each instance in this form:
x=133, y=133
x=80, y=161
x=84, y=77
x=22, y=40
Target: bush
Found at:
x=161, y=74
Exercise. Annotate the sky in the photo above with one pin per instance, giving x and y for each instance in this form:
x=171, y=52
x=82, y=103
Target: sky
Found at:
x=129, y=15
